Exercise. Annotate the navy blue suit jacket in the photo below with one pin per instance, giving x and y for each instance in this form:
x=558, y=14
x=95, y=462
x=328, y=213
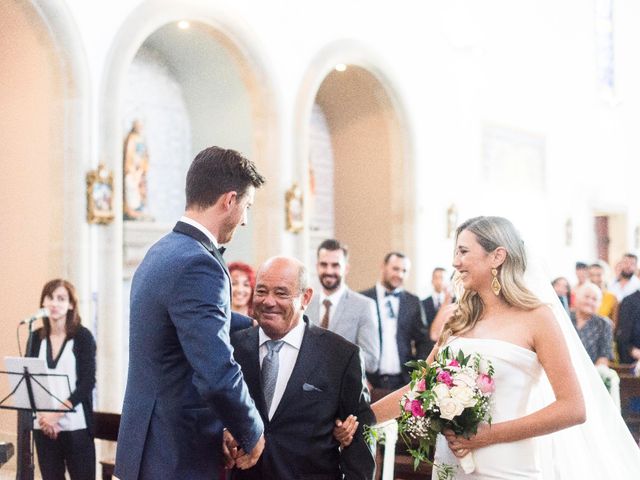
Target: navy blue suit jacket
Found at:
x=412, y=334
x=327, y=382
x=183, y=382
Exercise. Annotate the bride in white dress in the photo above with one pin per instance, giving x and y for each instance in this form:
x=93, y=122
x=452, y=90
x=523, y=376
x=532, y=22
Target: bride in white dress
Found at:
x=510, y=318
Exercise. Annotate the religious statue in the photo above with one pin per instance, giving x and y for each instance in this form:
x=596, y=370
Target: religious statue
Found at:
x=136, y=166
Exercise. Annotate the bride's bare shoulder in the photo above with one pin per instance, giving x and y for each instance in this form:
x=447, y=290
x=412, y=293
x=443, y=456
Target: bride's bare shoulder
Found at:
x=541, y=321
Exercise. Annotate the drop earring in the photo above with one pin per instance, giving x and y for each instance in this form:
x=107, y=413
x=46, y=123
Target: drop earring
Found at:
x=495, y=284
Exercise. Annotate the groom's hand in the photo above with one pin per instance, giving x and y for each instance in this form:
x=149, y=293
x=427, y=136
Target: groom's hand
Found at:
x=229, y=449
x=248, y=460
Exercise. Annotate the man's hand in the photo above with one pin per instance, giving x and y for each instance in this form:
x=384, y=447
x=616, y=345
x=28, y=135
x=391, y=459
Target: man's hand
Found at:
x=248, y=460
x=345, y=430
x=229, y=449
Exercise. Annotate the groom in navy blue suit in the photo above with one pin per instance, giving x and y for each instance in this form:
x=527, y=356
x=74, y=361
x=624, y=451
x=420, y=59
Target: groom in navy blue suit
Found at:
x=183, y=382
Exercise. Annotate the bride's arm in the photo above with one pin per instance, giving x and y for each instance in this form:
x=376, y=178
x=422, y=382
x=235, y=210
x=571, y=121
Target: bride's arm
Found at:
x=567, y=410
x=387, y=407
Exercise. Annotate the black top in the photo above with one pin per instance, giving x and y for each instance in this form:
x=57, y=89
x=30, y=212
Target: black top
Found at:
x=84, y=349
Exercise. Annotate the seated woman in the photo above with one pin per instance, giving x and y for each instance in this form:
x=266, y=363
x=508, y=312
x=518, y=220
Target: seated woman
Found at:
x=243, y=281
x=595, y=332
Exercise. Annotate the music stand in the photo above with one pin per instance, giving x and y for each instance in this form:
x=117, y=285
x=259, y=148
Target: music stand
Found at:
x=36, y=390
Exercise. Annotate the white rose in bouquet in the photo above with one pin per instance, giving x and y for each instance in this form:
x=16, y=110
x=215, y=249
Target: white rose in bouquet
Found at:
x=450, y=408
x=467, y=378
x=441, y=390
x=484, y=366
x=464, y=395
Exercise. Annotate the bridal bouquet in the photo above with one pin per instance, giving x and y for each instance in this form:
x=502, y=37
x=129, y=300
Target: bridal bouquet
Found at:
x=454, y=393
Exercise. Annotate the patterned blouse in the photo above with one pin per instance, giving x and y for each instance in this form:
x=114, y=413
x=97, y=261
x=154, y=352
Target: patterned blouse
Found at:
x=596, y=336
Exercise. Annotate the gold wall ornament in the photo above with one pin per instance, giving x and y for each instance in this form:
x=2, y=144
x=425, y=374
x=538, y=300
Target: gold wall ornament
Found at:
x=495, y=284
x=294, y=209
x=100, y=196
x=452, y=220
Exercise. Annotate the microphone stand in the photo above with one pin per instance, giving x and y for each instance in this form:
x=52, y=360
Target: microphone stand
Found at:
x=26, y=466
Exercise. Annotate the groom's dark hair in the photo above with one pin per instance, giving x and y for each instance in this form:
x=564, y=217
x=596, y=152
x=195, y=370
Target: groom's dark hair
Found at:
x=216, y=171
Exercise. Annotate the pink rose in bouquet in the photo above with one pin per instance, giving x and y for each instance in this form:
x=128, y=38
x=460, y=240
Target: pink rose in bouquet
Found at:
x=486, y=384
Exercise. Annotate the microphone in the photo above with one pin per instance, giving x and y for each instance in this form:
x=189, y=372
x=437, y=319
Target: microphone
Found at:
x=43, y=312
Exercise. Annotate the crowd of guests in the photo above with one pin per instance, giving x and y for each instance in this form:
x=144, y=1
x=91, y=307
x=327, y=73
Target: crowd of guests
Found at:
x=606, y=315
x=392, y=325
x=388, y=323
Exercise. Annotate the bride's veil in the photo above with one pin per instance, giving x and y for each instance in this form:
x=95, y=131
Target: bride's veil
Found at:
x=602, y=447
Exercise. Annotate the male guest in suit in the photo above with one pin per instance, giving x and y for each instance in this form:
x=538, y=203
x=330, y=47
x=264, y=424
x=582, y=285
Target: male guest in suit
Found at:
x=432, y=304
x=340, y=309
x=183, y=383
x=402, y=327
x=628, y=332
x=302, y=377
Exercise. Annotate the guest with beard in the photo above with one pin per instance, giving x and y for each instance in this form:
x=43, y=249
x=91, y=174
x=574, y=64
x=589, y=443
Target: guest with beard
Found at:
x=627, y=281
x=340, y=309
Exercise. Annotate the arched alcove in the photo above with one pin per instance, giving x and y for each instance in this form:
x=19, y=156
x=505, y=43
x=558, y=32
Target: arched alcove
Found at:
x=221, y=95
x=44, y=98
x=356, y=139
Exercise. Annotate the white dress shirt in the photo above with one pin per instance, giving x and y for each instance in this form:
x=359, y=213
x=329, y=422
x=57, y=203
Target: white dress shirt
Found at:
x=287, y=358
x=438, y=298
x=334, y=298
x=631, y=286
x=389, y=356
x=200, y=227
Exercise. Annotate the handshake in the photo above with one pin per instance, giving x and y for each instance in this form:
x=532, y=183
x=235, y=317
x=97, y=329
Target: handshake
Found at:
x=234, y=456
x=237, y=457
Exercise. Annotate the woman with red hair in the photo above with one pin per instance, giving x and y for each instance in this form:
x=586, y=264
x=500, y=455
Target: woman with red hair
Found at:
x=243, y=281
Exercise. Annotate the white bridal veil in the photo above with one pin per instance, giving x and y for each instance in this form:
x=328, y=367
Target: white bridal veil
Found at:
x=602, y=448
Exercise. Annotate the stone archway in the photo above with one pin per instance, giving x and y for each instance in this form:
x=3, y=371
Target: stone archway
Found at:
x=373, y=180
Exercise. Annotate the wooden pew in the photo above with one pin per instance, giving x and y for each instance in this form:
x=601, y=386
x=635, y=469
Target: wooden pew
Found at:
x=105, y=426
x=623, y=368
x=630, y=390
x=403, y=464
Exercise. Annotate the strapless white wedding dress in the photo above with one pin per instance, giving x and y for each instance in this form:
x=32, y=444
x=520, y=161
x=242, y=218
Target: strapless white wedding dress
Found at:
x=517, y=372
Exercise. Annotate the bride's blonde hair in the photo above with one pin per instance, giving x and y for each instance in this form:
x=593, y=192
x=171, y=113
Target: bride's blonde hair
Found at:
x=491, y=233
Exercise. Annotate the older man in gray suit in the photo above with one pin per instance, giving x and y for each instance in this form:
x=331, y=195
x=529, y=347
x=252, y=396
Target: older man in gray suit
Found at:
x=340, y=309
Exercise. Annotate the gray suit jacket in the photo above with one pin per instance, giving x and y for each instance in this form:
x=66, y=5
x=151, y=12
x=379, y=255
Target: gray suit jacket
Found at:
x=353, y=319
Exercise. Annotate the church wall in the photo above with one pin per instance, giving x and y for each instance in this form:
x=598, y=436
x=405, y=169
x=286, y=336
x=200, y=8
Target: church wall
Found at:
x=32, y=176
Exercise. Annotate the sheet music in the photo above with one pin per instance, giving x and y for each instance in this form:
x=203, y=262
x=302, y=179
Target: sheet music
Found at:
x=41, y=385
